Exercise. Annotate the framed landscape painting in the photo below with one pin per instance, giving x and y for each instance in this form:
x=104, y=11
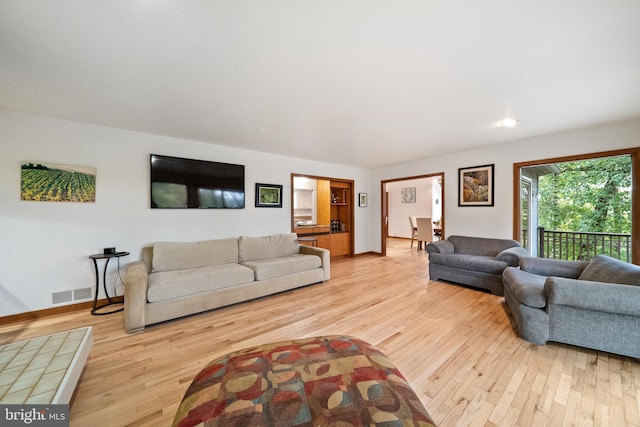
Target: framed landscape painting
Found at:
x=50, y=182
x=475, y=186
x=268, y=196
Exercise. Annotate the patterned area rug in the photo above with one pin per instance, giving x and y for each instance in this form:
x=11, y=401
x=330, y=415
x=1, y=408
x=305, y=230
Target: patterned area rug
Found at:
x=333, y=380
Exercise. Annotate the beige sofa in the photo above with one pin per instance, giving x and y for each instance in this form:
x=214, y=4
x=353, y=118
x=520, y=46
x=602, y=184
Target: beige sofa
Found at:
x=176, y=279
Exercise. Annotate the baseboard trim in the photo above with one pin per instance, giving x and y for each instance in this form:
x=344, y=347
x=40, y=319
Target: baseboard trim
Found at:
x=369, y=253
x=46, y=312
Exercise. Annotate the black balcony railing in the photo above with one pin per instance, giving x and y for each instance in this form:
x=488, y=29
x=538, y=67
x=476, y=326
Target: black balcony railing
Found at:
x=577, y=245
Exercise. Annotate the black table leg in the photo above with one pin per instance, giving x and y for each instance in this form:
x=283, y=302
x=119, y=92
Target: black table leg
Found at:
x=109, y=302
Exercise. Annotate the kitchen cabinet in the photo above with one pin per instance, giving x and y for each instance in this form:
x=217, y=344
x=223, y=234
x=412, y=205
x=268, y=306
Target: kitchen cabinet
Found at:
x=339, y=244
x=318, y=232
x=303, y=205
x=331, y=220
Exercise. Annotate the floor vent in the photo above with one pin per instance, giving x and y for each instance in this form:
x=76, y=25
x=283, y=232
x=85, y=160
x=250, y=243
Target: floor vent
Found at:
x=82, y=293
x=61, y=297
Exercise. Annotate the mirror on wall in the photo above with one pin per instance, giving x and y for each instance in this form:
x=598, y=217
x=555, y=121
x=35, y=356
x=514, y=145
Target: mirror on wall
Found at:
x=311, y=201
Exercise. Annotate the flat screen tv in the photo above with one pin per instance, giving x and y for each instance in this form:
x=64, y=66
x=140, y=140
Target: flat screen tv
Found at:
x=178, y=183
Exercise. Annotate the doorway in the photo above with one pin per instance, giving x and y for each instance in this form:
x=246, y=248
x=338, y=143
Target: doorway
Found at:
x=322, y=212
x=402, y=190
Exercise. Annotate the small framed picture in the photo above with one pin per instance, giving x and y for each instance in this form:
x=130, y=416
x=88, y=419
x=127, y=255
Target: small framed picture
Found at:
x=362, y=200
x=475, y=186
x=408, y=194
x=268, y=195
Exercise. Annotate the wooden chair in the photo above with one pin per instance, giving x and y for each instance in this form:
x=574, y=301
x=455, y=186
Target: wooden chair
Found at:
x=425, y=232
x=414, y=230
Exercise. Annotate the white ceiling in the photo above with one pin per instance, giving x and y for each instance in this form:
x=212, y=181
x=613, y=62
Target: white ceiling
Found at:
x=364, y=83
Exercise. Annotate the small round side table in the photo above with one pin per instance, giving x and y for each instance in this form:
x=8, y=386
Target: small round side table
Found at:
x=109, y=302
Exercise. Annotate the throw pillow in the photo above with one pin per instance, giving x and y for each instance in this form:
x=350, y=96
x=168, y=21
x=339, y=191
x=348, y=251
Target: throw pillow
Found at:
x=610, y=270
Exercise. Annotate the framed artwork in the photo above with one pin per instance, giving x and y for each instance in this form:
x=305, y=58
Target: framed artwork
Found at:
x=51, y=182
x=268, y=195
x=362, y=200
x=475, y=186
x=408, y=194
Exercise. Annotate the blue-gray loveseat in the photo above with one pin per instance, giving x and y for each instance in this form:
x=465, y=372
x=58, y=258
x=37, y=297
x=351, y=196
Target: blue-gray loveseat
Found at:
x=594, y=304
x=473, y=261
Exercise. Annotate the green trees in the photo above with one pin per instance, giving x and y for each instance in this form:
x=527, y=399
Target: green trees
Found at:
x=587, y=195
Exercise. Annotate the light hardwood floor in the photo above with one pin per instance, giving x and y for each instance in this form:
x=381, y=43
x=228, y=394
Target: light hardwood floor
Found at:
x=456, y=346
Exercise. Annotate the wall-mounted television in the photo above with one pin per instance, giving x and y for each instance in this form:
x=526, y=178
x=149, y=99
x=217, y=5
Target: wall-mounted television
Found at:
x=178, y=183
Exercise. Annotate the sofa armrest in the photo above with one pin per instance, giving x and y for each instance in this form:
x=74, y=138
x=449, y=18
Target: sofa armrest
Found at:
x=135, y=296
x=512, y=255
x=598, y=296
x=440, y=246
x=325, y=259
x=553, y=267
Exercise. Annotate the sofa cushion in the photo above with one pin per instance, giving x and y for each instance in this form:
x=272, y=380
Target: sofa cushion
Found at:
x=485, y=264
x=527, y=288
x=168, y=256
x=481, y=245
x=276, y=267
x=275, y=246
x=553, y=267
x=168, y=285
x=610, y=270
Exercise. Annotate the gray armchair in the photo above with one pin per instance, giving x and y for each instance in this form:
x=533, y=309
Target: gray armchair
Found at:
x=594, y=304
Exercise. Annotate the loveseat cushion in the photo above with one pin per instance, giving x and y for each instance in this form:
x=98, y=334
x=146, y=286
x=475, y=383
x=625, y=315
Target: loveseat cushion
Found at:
x=441, y=246
x=276, y=267
x=527, y=288
x=168, y=285
x=481, y=245
x=169, y=256
x=610, y=270
x=553, y=267
x=485, y=264
x=274, y=246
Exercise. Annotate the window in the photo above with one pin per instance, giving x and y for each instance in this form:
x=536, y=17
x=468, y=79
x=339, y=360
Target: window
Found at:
x=547, y=224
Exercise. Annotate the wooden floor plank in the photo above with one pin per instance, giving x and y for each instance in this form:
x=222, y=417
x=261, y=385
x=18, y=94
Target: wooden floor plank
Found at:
x=456, y=346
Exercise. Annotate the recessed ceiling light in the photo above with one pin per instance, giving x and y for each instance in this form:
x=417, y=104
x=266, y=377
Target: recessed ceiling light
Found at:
x=508, y=123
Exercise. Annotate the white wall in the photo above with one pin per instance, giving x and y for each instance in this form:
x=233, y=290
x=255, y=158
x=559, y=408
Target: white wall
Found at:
x=497, y=221
x=45, y=245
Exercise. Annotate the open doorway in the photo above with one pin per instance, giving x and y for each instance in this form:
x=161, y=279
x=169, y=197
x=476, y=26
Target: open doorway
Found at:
x=411, y=196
